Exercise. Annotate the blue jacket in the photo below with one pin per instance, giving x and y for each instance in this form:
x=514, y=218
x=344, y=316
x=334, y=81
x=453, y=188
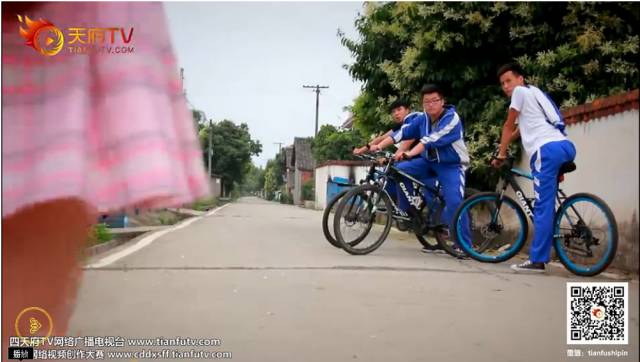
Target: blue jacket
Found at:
x=443, y=140
x=410, y=118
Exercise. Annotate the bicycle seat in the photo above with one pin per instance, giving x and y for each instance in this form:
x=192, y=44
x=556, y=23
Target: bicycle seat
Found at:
x=567, y=167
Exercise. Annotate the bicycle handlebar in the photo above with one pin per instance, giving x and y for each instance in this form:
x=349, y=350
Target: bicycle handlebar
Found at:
x=494, y=155
x=374, y=156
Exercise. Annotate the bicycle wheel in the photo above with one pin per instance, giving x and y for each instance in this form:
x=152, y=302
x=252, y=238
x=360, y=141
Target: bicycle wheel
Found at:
x=492, y=234
x=585, y=234
x=444, y=238
x=328, y=211
x=431, y=218
x=468, y=192
x=358, y=218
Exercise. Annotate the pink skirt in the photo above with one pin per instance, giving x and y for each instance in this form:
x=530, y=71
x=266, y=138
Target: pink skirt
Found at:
x=111, y=129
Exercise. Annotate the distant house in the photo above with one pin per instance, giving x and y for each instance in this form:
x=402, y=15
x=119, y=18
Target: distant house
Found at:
x=215, y=186
x=348, y=123
x=303, y=166
x=290, y=167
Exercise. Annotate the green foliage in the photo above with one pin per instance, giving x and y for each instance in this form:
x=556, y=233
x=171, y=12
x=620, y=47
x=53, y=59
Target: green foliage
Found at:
x=370, y=115
x=574, y=50
x=333, y=144
x=235, y=194
x=167, y=219
x=286, y=198
x=99, y=234
x=205, y=204
x=232, y=148
x=309, y=190
x=198, y=119
x=270, y=183
x=279, y=168
x=274, y=175
x=254, y=180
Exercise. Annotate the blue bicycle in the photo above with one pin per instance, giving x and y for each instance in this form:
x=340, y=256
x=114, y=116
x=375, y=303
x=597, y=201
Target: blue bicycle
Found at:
x=585, y=230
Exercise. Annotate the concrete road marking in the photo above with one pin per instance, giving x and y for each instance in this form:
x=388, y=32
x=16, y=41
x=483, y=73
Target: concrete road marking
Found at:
x=147, y=240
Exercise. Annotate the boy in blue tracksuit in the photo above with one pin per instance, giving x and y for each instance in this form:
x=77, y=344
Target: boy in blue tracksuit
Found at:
x=536, y=119
x=442, y=149
x=402, y=117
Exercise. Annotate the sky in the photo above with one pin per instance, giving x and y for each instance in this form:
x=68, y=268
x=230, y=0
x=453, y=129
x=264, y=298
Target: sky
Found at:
x=247, y=62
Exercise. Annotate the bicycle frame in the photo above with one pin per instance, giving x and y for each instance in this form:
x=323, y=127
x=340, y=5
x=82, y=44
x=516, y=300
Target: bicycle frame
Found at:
x=417, y=203
x=526, y=202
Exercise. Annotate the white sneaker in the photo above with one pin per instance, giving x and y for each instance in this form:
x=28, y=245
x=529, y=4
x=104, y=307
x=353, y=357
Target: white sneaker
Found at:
x=528, y=267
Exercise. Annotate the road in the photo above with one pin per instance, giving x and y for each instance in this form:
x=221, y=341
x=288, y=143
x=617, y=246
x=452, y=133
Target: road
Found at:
x=260, y=278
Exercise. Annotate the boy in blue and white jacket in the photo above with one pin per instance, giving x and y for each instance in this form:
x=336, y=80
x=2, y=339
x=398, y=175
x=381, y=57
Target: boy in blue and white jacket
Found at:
x=402, y=117
x=442, y=149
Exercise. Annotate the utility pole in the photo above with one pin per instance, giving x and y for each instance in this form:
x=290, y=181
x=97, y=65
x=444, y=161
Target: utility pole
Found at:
x=210, y=155
x=184, y=91
x=317, y=90
x=279, y=146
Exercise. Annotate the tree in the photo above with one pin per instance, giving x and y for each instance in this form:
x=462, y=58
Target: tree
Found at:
x=333, y=144
x=270, y=183
x=253, y=181
x=274, y=173
x=199, y=119
x=575, y=50
x=232, y=148
x=279, y=167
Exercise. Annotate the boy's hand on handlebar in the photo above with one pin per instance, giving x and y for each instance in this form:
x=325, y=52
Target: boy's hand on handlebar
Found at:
x=359, y=151
x=374, y=148
x=498, y=161
x=400, y=156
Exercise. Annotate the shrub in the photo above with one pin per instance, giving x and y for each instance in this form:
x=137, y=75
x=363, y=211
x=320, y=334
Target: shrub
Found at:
x=99, y=234
x=205, y=204
x=309, y=190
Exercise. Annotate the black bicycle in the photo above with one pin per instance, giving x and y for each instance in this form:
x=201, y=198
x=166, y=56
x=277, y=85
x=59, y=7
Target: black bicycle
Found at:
x=372, y=177
x=369, y=210
x=585, y=234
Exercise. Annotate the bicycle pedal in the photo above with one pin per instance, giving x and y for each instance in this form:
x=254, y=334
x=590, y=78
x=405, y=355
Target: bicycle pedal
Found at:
x=504, y=247
x=440, y=227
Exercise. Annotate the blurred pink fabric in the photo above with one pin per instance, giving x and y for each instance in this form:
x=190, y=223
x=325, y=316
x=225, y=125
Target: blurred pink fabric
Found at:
x=111, y=129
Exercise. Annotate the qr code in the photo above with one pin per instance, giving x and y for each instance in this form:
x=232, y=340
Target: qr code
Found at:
x=597, y=313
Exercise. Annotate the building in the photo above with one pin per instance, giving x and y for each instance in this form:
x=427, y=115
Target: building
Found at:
x=303, y=165
x=348, y=123
x=289, y=176
x=215, y=186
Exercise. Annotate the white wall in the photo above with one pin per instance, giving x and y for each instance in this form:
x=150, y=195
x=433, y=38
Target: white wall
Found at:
x=607, y=160
x=215, y=187
x=322, y=176
x=321, y=186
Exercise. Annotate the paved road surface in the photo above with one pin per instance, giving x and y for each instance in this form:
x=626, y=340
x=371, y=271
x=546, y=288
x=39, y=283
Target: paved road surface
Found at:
x=260, y=278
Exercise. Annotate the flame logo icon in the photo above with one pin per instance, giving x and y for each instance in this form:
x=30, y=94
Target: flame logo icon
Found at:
x=598, y=312
x=34, y=325
x=42, y=36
